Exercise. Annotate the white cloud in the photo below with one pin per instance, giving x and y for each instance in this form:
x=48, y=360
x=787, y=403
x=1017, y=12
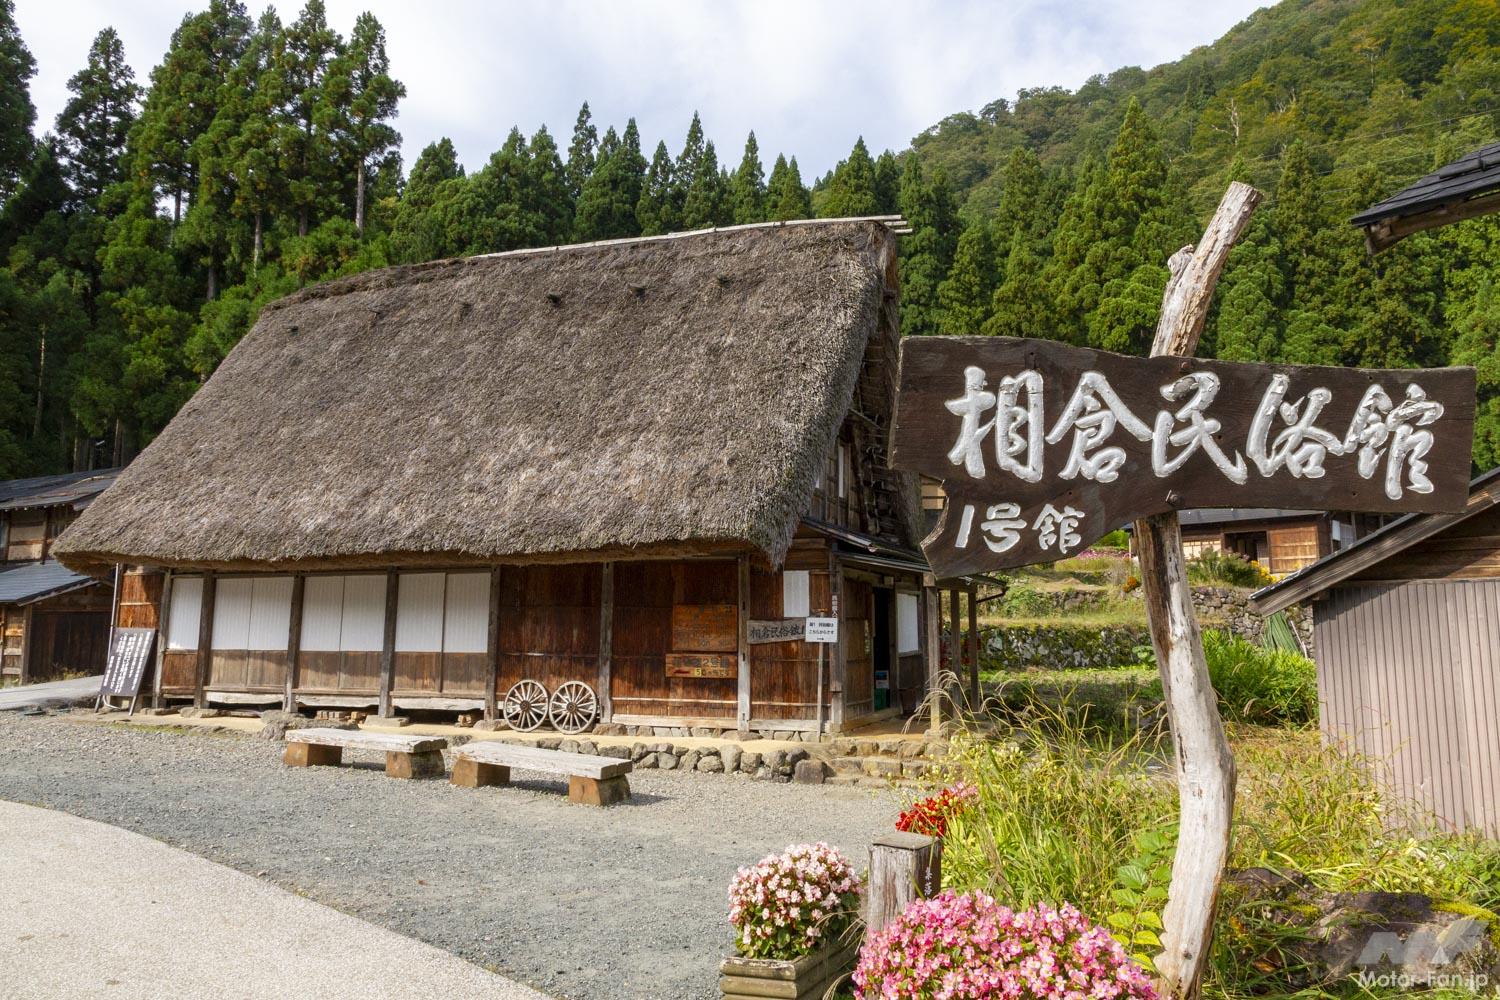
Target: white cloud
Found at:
x=808, y=75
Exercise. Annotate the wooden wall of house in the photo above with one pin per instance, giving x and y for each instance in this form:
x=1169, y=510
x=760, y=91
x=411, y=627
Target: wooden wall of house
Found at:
x=549, y=624
x=856, y=627
x=784, y=675
x=1409, y=678
x=673, y=620
x=673, y=649
x=69, y=635
x=1469, y=550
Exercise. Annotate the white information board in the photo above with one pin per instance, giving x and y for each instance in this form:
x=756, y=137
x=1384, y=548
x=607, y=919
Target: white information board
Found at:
x=822, y=630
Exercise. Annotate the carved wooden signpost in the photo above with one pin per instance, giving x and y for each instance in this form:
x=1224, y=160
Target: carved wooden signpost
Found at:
x=1043, y=448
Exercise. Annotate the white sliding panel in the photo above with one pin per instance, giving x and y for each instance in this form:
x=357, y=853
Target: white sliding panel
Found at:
x=466, y=621
x=796, y=593
x=232, y=613
x=270, y=612
x=907, y=633
x=363, y=627
x=322, y=613
x=185, y=613
x=419, y=613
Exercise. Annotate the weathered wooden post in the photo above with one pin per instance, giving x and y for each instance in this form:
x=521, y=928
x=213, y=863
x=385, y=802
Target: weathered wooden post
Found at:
x=1205, y=764
x=903, y=866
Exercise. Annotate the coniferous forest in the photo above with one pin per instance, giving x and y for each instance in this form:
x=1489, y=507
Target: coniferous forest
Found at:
x=141, y=235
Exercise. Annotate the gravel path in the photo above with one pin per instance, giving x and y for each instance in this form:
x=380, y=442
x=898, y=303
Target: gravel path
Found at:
x=626, y=902
x=72, y=927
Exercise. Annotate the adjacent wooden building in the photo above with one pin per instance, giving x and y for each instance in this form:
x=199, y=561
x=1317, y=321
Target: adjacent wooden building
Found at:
x=612, y=464
x=1406, y=626
x=1283, y=541
x=53, y=621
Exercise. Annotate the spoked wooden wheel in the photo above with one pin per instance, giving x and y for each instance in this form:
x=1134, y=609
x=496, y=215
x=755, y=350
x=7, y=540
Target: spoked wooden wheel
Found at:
x=573, y=707
x=525, y=705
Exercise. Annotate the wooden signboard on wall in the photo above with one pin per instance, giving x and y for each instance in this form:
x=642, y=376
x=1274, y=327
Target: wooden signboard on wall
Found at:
x=1043, y=447
x=705, y=628
x=702, y=665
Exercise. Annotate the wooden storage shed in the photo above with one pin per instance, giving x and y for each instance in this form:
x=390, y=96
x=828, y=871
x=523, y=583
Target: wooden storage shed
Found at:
x=617, y=464
x=53, y=621
x=1407, y=634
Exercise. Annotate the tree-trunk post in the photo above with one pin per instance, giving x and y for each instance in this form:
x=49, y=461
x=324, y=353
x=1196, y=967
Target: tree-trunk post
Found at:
x=903, y=867
x=1205, y=764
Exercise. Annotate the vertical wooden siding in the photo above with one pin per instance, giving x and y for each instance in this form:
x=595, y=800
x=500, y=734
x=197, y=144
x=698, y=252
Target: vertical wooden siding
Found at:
x=1409, y=675
x=549, y=624
x=858, y=626
x=645, y=594
x=784, y=675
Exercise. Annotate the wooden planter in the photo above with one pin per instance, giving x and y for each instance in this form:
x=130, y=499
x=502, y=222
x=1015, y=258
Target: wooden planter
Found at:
x=805, y=978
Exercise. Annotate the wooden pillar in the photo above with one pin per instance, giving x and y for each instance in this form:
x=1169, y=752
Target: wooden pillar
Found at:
x=205, y=639
x=492, y=650
x=893, y=651
x=973, y=648
x=932, y=654
x=606, y=640
x=294, y=643
x=388, y=644
x=955, y=643
x=838, y=669
x=26, y=645
x=903, y=867
x=163, y=620
x=46, y=532
x=742, y=646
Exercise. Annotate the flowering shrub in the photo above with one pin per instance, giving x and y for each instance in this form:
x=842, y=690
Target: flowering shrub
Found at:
x=790, y=902
x=960, y=946
x=931, y=815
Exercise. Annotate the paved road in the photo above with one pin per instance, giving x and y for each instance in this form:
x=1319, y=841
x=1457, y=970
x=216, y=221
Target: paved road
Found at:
x=52, y=693
x=95, y=911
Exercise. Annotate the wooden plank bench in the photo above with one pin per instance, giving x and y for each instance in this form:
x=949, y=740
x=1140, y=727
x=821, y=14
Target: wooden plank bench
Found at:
x=405, y=756
x=594, y=781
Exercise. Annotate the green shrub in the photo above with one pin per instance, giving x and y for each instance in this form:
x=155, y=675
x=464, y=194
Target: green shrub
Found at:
x=1225, y=569
x=1117, y=539
x=1269, y=687
x=1025, y=602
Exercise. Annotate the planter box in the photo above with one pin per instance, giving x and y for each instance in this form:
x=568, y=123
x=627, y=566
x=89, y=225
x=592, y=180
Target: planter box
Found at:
x=805, y=978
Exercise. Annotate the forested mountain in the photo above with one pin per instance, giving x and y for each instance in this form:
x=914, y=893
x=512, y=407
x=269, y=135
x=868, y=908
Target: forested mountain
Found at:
x=142, y=234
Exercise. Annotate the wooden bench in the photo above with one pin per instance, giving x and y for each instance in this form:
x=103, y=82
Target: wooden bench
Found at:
x=594, y=781
x=405, y=756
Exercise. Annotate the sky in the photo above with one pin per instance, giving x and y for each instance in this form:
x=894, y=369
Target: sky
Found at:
x=809, y=76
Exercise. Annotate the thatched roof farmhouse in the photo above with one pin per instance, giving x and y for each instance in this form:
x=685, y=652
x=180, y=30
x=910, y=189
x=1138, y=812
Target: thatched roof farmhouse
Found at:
x=535, y=462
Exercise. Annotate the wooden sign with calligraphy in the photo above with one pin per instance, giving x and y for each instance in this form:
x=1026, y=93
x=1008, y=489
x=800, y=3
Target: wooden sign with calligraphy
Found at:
x=1043, y=447
x=701, y=665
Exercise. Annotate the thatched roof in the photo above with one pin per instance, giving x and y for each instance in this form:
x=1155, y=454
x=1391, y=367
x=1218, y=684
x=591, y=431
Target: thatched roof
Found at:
x=603, y=399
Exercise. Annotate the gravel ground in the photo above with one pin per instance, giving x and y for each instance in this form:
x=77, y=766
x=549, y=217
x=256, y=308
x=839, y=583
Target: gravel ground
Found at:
x=626, y=902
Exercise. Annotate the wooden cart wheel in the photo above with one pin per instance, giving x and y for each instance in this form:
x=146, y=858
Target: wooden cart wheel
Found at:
x=573, y=707
x=525, y=706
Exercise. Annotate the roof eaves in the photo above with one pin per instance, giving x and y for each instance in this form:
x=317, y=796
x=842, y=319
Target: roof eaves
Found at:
x=1375, y=547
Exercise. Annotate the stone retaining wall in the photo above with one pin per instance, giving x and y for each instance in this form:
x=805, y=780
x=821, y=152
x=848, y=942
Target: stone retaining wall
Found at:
x=1085, y=647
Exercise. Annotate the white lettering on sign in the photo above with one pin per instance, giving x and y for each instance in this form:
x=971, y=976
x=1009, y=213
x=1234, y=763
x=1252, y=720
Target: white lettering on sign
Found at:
x=1384, y=436
x=1002, y=531
x=822, y=630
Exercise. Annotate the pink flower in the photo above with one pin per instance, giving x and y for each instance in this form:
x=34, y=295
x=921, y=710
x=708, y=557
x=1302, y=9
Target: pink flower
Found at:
x=966, y=945
x=787, y=903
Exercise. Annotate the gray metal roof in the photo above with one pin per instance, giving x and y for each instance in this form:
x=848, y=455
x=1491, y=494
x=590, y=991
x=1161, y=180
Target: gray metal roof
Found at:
x=51, y=491
x=1235, y=515
x=33, y=581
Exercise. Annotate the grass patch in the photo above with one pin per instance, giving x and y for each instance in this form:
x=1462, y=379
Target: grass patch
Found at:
x=1063, y=805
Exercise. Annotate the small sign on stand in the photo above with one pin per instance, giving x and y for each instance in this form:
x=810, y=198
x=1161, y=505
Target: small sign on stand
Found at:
x=129, y=653
x=822, y=631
